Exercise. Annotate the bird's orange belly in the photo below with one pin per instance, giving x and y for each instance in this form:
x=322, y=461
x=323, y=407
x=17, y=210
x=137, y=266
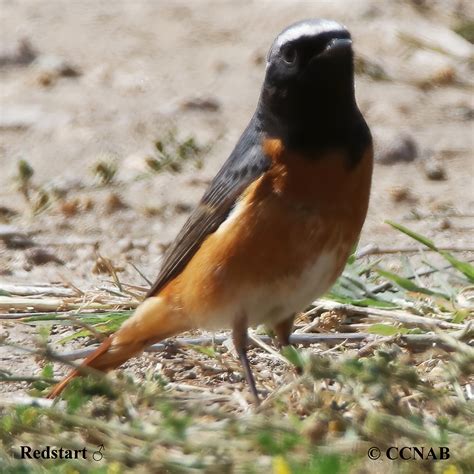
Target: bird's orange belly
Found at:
x=267, y=261
x=282, y=246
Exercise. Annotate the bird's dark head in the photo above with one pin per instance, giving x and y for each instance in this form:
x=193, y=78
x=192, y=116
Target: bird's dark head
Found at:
x=309, y=81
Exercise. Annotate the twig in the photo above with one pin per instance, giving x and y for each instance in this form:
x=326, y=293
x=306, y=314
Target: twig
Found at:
x=73, y=242
x=256, y=340
x=43, y=304
x=14, y=400
x=141, y=289
x=49, y=355
x=308, y=327
x=304, y=339
x=113, y=292
x=9, y=232
x=332, y=349
x=373, y=249
x=301, y=339
x=25, y=378
x=187, y=388
x=37, y=290
x=370, y=347
x=149, y=282
x=60, y=316
x=77, y=321
x=454, y=340
x=288, y=387
x=26, y=315
x=110, y=269
x=55, y=304
x=397, y=315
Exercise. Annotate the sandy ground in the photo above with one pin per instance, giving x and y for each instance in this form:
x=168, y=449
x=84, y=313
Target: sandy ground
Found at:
x=139, y=64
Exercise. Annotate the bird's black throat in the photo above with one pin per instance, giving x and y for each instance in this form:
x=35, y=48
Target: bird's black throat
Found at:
x=316, y=110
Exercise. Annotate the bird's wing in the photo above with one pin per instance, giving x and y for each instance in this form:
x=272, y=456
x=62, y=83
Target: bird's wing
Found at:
x=245, y=164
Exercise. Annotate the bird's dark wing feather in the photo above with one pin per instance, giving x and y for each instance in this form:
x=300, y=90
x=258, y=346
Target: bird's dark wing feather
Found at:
x=245, y=164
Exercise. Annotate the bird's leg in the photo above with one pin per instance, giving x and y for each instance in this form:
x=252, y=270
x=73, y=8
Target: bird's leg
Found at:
x=239, y=337
x=283, y=331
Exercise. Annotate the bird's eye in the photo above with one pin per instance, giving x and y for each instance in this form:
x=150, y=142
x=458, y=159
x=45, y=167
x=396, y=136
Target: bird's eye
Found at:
x=288, y=53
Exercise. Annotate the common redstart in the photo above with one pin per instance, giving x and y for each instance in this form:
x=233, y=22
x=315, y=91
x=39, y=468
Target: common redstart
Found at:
x=275, y=227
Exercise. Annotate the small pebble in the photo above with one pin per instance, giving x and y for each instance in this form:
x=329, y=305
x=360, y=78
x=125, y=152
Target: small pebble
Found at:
x=21, y=54
x=50, y=68
x=190, y=375
x=390, y=149
x=258, y=58
x=70, y=207
x=168, y=372
x=206, y=104
x=401, y=194
x=114, y=203
x=182, y=208
x=265, y=374
x=142, y=244
x=434, y=170
x=7, y=213
x=124, y=245
x=39, y=256
x=444, y=224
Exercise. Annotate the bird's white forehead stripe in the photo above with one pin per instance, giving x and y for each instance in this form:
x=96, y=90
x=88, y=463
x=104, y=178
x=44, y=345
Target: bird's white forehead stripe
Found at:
x=307, y=29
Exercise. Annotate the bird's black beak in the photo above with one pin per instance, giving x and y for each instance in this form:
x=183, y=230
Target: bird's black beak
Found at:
x=337, y=47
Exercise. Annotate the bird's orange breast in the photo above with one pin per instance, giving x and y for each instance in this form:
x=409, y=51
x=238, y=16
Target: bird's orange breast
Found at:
x=296, y=212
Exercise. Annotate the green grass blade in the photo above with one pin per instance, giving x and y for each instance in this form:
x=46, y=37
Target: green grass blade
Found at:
x=386, y=330
x=365, y=302
x=420, y=238
x=409, y=285
x=85, y=317
x=464, y=267
x=106, y=324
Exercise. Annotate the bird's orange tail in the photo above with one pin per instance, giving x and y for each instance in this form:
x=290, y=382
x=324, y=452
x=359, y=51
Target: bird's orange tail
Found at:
x=152, y=322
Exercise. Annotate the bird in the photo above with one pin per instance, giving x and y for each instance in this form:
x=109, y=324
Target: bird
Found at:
x=276, y=226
